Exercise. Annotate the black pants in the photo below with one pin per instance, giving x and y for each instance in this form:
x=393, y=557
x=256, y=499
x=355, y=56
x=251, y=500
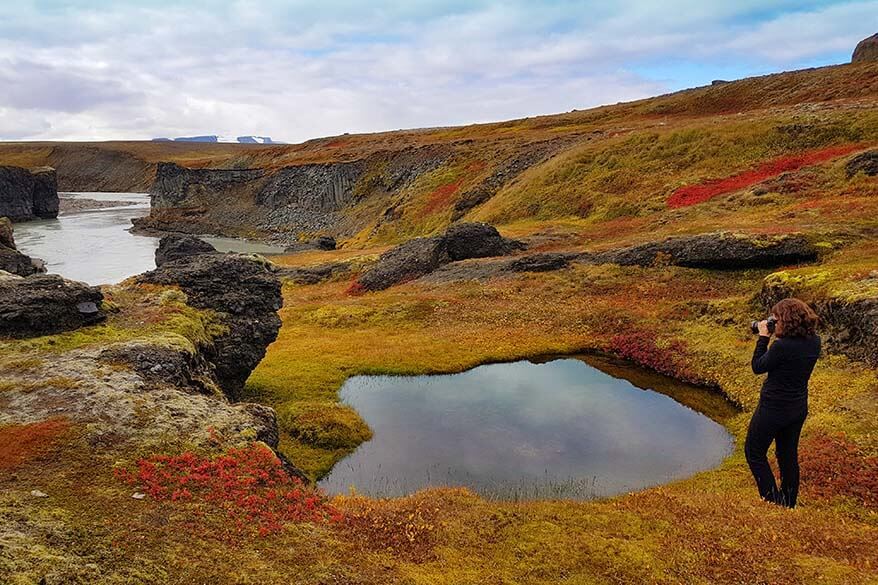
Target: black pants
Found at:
x=782, y=425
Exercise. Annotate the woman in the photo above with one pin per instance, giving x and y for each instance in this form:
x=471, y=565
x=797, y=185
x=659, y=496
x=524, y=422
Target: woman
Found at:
x=783, y=401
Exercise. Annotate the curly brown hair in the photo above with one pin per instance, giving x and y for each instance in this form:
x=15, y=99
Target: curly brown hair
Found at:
x=794, y=318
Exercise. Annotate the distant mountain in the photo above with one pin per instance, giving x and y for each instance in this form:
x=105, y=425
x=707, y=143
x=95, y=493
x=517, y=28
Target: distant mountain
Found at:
x=215, y=138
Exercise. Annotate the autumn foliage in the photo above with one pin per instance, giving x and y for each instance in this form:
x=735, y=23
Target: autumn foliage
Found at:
x=641, y=347
x=831, y=465
x=249, y=484
x=21, y=443
x=692, y=194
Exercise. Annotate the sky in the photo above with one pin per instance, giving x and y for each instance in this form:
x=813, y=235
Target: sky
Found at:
x=294, y=70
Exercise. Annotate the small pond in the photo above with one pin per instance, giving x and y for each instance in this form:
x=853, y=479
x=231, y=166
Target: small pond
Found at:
x=95, y=246
x=569, y=428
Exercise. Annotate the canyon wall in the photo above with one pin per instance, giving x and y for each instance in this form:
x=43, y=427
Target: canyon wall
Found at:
x=28, y=193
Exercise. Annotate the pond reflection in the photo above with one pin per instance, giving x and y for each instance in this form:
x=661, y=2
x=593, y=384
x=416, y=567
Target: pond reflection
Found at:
x=561, y=429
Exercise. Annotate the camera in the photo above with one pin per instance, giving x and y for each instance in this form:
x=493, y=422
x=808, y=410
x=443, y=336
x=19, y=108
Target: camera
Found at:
x=771, y=322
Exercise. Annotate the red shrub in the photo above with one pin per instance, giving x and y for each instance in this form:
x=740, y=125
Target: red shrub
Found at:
x=249, y=484
x=355, y=289
x=640, y=347
x=692, y=194
x=21, y=443
x=441, y=196
x=833, y=466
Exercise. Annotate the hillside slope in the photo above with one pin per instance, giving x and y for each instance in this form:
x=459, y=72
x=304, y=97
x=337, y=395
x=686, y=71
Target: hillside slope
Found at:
x=612, y=162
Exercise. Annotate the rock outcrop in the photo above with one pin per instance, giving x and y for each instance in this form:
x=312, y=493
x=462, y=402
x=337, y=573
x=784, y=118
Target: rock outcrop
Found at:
x=280, y=202
x=28, y=194
x=45, y=304
x=420, y=256
x=866, y=51
x=245, y=291
x=866, y=163
x=720, y=250
x=13, y=261
x=175, y=246
x=847, y=325
x=316, y=274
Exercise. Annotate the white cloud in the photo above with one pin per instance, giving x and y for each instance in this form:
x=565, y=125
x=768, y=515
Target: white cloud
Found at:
x=296, y=70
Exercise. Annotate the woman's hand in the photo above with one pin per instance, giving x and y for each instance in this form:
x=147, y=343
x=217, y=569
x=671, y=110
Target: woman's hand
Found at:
x=762, y=326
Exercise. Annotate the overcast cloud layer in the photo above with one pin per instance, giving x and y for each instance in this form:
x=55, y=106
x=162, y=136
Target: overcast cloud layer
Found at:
x=76, y=70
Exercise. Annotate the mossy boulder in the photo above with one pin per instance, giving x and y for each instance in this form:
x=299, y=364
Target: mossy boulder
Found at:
x=245, y=291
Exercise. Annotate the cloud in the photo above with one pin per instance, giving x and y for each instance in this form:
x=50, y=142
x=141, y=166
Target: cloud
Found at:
x=296, y=70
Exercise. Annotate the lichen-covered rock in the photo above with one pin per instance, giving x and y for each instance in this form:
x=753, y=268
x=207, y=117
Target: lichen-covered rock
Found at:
x=721, y=250
x=47, y=303
x=28, y=194
x=866, y=50
x=245, y=291
x=176, y=246
x=866, y=163
x=847, y=325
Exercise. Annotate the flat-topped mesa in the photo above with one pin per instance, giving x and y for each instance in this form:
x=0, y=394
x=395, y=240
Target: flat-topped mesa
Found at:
x=866, y=51
x=27, y=194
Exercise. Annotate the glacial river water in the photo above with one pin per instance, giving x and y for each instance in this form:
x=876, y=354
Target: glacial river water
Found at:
x=96, y=247
x=562, y=429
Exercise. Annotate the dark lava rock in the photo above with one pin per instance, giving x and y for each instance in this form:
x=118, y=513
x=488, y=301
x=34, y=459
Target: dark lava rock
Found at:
x=28, y=194
x=46, y=303
x=846, y=326
x=866, y=51
x=421, y=256
x=546, y=262
x=866, y=163
x=324, y=243
x=13, y=261
x=721, y=250
x=407, y=261
x=175, y=246
x=475, y=240
x=246, y=291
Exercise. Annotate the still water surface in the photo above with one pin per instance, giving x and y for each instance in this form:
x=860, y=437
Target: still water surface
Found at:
x=562, y=429
x=96, y=247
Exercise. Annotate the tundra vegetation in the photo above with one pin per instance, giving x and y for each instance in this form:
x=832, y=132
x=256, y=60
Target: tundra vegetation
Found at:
x=765, y=157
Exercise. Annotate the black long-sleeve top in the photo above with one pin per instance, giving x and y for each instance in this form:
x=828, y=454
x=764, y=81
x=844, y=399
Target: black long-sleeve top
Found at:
x=789, y=363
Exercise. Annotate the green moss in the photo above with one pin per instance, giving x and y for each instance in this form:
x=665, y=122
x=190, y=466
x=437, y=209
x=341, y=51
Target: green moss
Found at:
x=327, y=425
